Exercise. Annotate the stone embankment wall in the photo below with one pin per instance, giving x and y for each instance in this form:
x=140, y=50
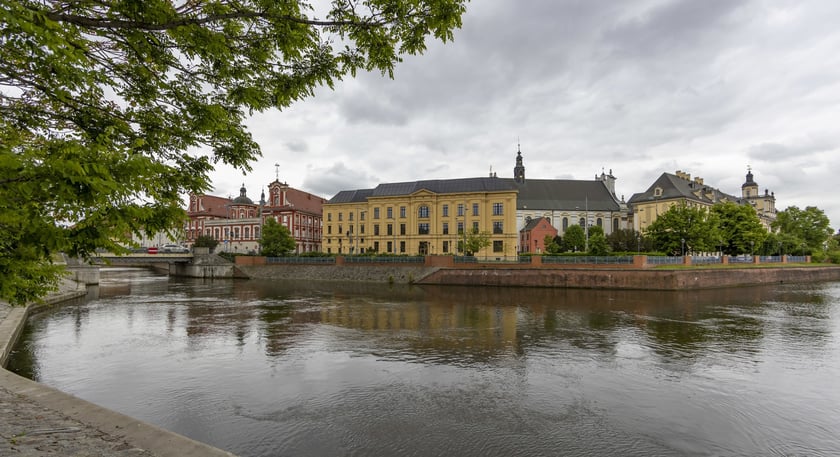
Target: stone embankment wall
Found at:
x=630, y=279
x=367, y=273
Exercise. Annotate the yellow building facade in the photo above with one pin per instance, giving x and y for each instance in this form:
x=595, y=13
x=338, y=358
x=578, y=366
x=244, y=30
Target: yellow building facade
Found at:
x=423, y=218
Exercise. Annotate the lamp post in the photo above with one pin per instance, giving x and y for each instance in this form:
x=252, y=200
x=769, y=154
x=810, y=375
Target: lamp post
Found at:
x=752, y=247
x=682, y=240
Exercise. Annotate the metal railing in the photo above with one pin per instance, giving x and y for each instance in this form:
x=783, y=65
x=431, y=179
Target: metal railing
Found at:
x=770, y=259
x=385, y=259
x=664, y=260
x=559, y=259
x=702, y=260
x=797, y=258
x=465, y=259
x=301, y=260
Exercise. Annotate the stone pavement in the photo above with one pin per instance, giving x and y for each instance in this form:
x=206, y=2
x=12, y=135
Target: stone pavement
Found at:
x=39, y=421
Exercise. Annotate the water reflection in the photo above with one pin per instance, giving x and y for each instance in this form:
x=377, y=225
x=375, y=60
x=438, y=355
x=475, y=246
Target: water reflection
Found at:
x=287, y=368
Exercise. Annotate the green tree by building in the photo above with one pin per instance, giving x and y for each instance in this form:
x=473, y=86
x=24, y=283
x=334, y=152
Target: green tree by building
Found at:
x=574, y=239
x=276, y=239
x=684, y=229
x=739, y=229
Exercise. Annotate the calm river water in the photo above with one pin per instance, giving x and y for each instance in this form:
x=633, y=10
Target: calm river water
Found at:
x=285, y=369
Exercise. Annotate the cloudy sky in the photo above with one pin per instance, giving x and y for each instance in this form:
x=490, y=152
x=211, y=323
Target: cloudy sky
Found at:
x=639, y=87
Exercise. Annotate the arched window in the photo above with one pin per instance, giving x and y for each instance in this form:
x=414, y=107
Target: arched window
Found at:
x=615, y=225
x=599, y=222
x=216, y=234
x=247, y=232
x=582, y=222
x=565, y=223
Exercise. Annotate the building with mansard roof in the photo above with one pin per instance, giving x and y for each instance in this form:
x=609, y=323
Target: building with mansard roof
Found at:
x=237, y=222
x=679, y=188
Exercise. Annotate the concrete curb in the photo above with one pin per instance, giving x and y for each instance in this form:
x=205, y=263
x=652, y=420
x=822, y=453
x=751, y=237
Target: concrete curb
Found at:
x=142, y=435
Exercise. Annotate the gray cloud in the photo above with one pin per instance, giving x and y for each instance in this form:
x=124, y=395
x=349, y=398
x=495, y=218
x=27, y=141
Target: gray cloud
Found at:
x=639, y=86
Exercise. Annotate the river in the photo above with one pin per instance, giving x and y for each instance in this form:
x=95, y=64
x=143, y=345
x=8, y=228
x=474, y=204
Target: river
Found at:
x=268, y=368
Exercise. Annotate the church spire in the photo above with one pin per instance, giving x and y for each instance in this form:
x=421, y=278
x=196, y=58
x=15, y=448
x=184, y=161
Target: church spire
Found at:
x=519, y=169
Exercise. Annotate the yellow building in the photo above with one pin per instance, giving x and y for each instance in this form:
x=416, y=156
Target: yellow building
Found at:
x=669, y=190
x=423, y=217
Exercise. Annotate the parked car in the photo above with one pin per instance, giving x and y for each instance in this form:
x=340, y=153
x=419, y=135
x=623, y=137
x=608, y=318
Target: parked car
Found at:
x=173, y=249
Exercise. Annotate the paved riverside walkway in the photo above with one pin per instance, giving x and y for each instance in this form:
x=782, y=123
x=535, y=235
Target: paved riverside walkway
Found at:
x=37, y=420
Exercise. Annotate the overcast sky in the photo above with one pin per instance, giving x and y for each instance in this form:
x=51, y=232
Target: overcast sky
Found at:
x=639, y=87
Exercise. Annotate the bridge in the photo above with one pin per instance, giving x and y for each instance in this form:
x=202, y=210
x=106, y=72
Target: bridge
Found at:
x=140, y=260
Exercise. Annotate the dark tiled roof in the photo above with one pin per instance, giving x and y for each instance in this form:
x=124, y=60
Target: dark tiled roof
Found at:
x=438, y=186
x=674, y=187
x=444, y=186
x=564, y=194
x=351, y=196
x=532, y=224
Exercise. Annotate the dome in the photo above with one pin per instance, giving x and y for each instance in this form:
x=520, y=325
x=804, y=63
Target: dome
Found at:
x=242, y=198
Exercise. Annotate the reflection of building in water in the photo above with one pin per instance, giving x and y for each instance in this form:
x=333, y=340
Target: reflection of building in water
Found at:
x=439, y=326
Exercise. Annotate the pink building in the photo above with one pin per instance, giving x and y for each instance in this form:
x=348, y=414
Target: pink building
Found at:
x=532, y=236
x=237, y=222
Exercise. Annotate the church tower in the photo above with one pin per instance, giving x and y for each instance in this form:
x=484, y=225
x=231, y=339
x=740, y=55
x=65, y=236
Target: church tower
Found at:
x=519, y=169
x=764, y=205
x=750, y=188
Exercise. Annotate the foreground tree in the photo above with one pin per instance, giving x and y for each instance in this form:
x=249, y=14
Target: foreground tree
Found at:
x=110, y=111
x=276, y=239
x=739, y=229
x=684, y=229
x=206, y=241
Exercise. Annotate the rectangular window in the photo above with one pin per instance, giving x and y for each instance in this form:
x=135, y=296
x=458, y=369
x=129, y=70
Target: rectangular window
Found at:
x=390, y=212
x=475, y=226
x=339, y=229
x=446, y=228
x=423, y=212
x=402, y=211
x=445, y=210
x=402, y=247
x=376, y=246
x=376, y=213
x=390, y=230
x=362, y=229
x=445, y=247
x=329, y=217
x=402, y=229
x=498, y=209
x=460, y=209
x=362, y=216
x=423, y=228
x=498, y=246
x=390, y=246
x=329, y=230
x=339, y=216
x=350, y=216
x=376, y=229
x=475, y=209
x=460, y=228
x=497, y=227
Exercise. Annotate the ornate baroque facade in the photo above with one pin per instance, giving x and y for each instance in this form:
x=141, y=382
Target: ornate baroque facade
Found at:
x=236, y=222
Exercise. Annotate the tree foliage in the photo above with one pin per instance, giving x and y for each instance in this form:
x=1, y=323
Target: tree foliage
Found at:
x=574, y=239
x=684, y=229
x=475, y=241
x=598, y=243
x=553, y=244
x=110, y=111
x=809, y=227
x=276, y=239
x=739, y=229
x=628, y=240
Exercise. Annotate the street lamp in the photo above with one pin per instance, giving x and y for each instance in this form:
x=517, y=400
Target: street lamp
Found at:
x=752, y=247
x=682, y=240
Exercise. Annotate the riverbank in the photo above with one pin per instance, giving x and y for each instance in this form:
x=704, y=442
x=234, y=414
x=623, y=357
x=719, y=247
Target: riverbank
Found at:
x=41, y=421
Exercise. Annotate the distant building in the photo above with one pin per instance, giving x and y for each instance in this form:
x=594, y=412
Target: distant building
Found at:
x=423, y=217
x=237, y=222
x=679, y=188
x=532, y=236
x=567, y=202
